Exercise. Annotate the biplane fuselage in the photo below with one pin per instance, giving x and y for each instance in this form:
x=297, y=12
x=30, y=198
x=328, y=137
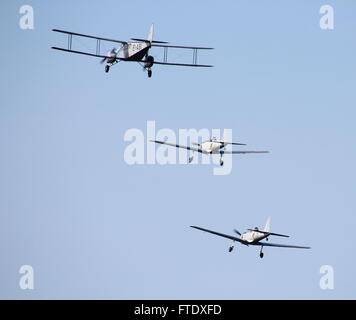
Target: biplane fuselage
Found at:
x=133, y=51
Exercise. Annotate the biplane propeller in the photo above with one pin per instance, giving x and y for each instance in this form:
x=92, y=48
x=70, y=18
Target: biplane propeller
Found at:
x=136, y=50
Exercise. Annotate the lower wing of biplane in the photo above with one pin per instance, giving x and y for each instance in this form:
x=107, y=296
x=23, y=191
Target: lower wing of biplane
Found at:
x=133, y=51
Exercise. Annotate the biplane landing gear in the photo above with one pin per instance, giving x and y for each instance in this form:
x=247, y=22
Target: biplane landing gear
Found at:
x=149, y=73
x=107, y=68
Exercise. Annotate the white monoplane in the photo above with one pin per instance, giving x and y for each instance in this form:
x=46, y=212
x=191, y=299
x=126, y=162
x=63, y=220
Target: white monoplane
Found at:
x=134, y=51
x=253, y=237
x=211, y=146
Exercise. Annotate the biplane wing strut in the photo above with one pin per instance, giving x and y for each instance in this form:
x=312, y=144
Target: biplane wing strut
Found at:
x=195, y=54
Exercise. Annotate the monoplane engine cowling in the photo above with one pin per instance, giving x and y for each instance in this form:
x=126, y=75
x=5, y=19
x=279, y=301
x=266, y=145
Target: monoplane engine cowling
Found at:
x=149, y=62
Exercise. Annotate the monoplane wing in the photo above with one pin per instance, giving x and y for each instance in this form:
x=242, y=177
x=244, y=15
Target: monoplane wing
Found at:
x=233, y=143
x=267, y=244
x=220, y=234
x=238, y=152
x=178, y=146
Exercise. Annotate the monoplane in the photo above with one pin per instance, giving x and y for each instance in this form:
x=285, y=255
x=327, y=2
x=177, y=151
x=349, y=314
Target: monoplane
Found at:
x=210, y=146
x=254, y=237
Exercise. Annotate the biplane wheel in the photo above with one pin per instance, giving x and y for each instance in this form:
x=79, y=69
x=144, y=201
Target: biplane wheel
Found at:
x=221, y=163
x=149, y=72
x=261, y=255
x=107, y=68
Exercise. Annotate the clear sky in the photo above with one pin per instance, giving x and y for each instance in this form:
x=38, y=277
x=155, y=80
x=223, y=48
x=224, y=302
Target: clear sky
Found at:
x=92, y=226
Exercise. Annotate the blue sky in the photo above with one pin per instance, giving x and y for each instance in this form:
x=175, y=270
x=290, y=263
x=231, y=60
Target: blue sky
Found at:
x=93, y=227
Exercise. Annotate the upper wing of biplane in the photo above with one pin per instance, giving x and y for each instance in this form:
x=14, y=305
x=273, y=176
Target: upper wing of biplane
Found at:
x=180, y=47
x=70, y=33
x=98, y=39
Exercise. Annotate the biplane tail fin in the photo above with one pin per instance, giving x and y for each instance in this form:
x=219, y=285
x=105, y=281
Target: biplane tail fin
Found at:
x=149, y=37
x=150, y=34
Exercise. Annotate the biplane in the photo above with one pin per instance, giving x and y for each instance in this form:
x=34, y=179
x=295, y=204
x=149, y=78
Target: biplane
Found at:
x=133, y=51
